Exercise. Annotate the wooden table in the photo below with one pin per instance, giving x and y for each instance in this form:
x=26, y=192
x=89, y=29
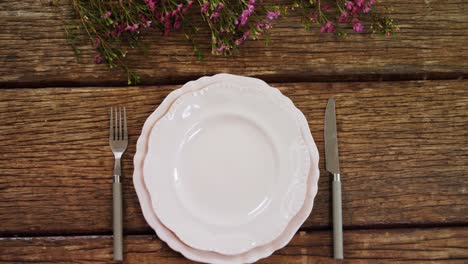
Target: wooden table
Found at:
x=402, y=107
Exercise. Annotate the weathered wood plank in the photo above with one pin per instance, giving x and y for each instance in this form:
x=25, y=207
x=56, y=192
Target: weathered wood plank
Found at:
x=403, y=148
x=432, y=44
x=438, y=245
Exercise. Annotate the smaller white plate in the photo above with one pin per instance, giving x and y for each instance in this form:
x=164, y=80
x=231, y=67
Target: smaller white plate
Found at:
x=225, y=161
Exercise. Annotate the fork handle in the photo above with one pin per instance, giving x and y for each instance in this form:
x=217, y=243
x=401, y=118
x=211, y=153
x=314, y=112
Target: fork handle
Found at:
x=117, y=218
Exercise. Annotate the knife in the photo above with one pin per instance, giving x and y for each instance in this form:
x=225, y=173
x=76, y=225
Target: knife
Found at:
x=333, y=166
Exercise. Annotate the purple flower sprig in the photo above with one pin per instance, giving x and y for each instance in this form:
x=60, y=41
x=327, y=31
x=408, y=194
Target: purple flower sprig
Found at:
x=356, y=13
x=114, y=28
x=232, y=25
x=246, y=13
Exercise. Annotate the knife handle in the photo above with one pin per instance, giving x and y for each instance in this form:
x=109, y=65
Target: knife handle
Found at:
x=337, y=218
x=117, y=219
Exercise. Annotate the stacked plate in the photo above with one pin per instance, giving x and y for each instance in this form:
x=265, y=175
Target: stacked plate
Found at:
x=226, y=169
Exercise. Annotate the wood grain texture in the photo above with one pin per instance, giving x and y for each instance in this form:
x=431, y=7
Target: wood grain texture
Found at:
x=403, y=152
x=435, y=245
x=432, y=44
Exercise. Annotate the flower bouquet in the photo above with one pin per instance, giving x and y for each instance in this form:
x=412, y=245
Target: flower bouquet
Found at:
x=116, y=26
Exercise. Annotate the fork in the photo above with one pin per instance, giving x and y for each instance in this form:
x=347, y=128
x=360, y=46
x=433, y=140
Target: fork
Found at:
x=118, y=141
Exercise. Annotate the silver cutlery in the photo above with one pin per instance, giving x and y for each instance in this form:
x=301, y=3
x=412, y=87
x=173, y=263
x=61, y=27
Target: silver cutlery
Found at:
x=333, y=166
x=118, y=141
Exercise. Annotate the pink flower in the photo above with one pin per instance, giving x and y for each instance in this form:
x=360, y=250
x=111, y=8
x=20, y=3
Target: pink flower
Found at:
x=179, y=7
x=366, y=10
x=219, y=7
x=313, y=17
x=167, y=27
x=166, y=17
x=177, y=10
x=328, y=27
x=132, y=28
x=349, y=5
x=358, y=27
x=98, y=59
x=177, y=24
x=360, y=3
x=145, y=21
x=214, y=15
x=241, y=40
x=107, y=14
x=273, y=15
x=119, y=29
x=97, y=42
x=151, y=4
x=344, y=17
x=204, y=8
x=222, y=48
x=245, y=15
x=187, y=7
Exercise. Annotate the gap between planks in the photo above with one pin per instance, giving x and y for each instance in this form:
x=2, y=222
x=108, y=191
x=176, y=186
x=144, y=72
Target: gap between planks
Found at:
x=361, y=246
x=149, y=231
x=279, y=79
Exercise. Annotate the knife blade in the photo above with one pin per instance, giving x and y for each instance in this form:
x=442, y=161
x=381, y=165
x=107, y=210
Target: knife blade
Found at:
x=331, y=143
x=333, y=166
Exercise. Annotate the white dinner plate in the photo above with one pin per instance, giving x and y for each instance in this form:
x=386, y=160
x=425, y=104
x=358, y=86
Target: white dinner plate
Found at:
x=227, y=166
x=169, y=237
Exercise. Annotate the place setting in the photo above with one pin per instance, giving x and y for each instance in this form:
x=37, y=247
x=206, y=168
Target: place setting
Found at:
x=228, y=132
x=225, y=170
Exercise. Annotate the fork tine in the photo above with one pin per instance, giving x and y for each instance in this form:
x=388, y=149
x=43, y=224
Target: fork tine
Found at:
x=120, y=124
x=116, y=127
x=125, y=124
x=111, y=129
